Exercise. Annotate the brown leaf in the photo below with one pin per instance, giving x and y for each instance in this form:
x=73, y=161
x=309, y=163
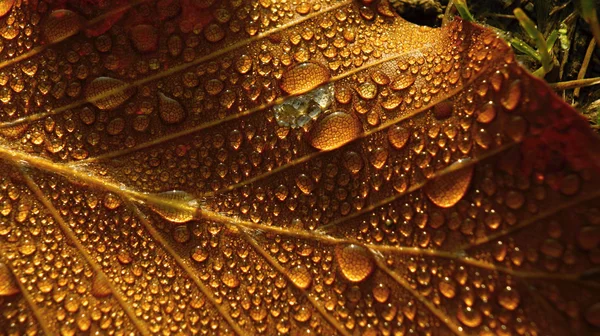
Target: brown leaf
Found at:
x=246, y=167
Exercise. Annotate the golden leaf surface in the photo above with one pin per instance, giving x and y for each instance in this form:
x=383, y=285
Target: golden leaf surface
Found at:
x=285, y=167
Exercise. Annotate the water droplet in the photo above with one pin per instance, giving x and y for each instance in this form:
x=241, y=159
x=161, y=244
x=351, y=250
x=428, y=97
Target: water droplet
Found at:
x=379, y=157
x=300, y=276
x=107, y=93
x=199, y=254
x=469, y=316
x=512, y=96
x=443, y=110
x=243, y=64
x=230, y=280
x=8, y=284
x=402, y=82
x=353, y=162
x=303, y=313
x=144, y=37
x=367, y=90
x=170, y=110
x=305, y=184
x=447, y=190
x=381, y=292
x=380, y=77
x=111, y=201
x=335, y=130
x=398, y=136
x=304, y=77
x=487, y=113
x=509, y=298
x=61, y=24
x=447, y=287
x=5, y=6
x=176, y=206
x=214, y=33
x=100, y=286
x=355, y=262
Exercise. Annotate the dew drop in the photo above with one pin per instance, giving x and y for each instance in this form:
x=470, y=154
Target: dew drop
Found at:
x=243, y=64
x=402, y=82
x=8, y=284
x=512, y=96
x=5, y=6
x=199, y=254
x=305, y=184
x=300, y=276
x=355, y=262
x=111, y=201
x=367, y=90
x=445, y=191
x=398, y=136
x=176, y=206
x=447, y=287
x=144, y=38
x=61, y=24
x=107, y=93
x=214, y=33
x=381, y=292
x=469, y=316
x=303, y=314
x=170, y=110
x=304, y=77
x=335, y=130
x=100, y=286
x=487, y=113
x=230, y=280
x=508, y=298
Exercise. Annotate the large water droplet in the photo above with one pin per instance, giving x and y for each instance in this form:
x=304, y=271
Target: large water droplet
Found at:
x=304, y=77
x=8, y=283
x=402, y=82
x=509, y=298
x=100, y=286
x=176, y=206
x=144, y=37
x=61, y=24
x=300, y=276
x=448, y=189
x=398, y=136
x=469, y=316
x=108, y=93
x=5, y=6
x=170, y=110
x=355, y=262
x=335, y=130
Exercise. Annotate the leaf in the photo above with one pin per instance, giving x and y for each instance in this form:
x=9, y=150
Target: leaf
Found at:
x=287, y=167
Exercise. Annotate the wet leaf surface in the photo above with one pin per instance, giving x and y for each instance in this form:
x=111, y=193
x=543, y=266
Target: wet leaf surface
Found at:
x=269, y=167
